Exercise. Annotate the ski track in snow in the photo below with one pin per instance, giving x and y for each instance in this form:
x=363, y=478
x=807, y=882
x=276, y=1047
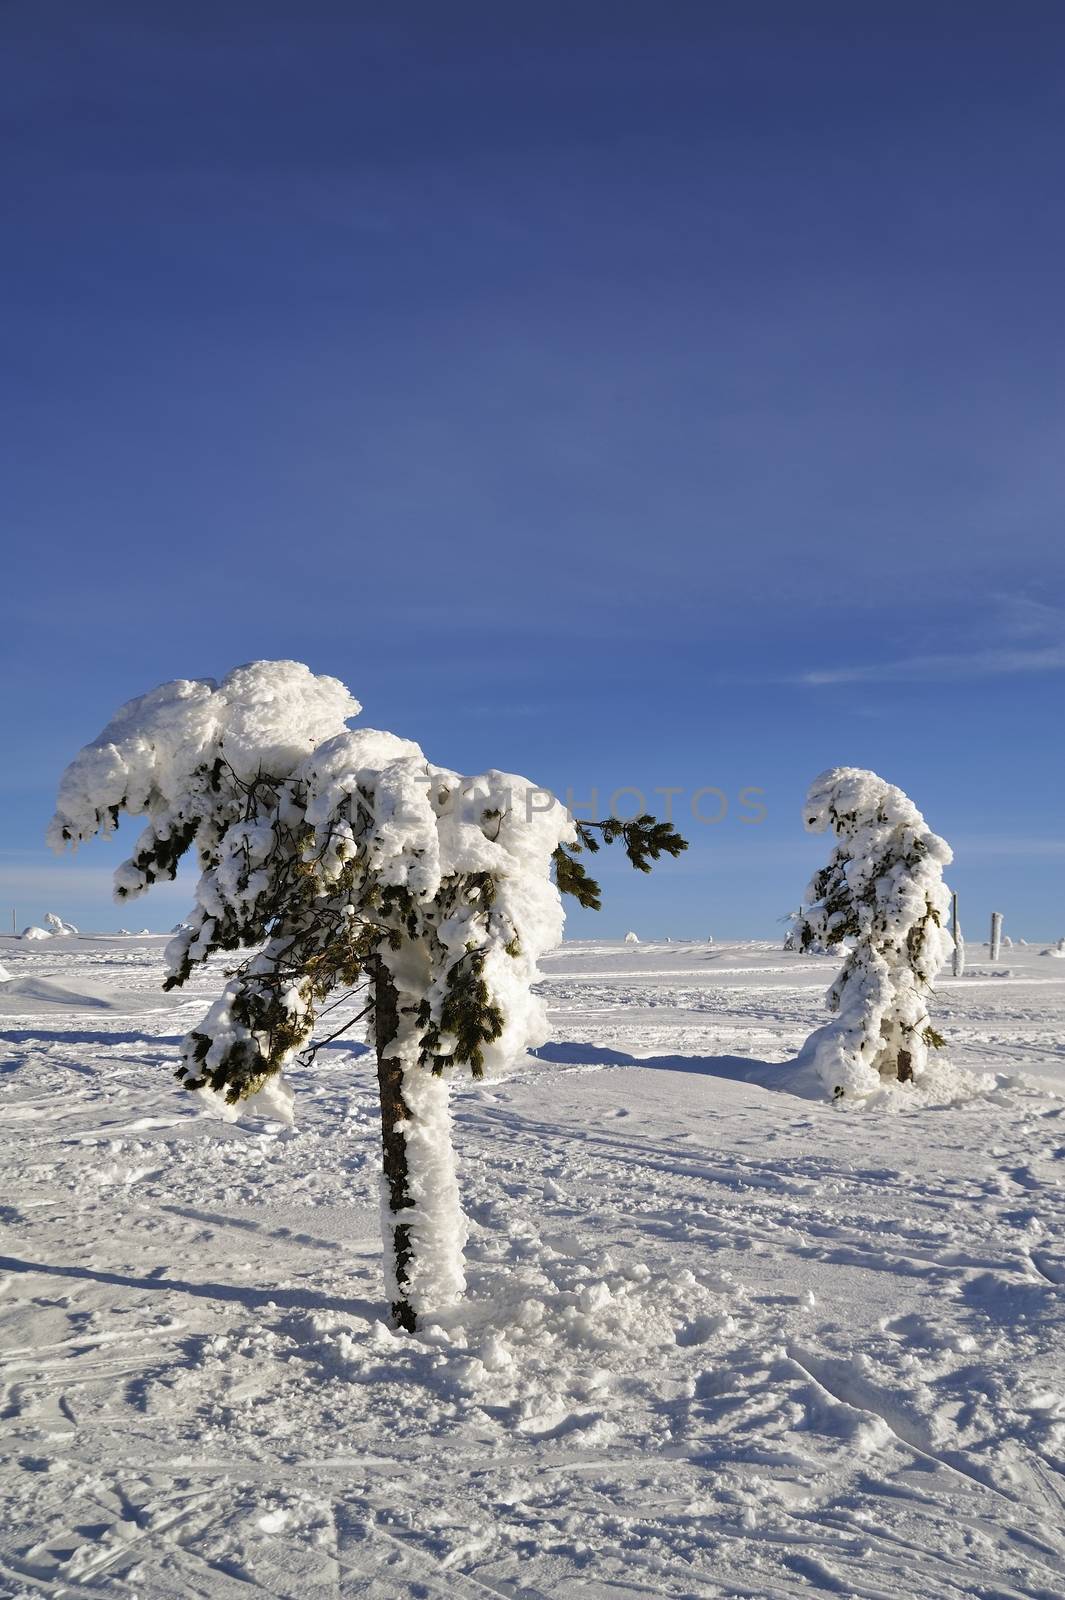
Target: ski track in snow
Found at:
x=720, y=1340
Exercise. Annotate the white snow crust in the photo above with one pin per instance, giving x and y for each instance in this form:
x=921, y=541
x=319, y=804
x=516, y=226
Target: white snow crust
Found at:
x=719, y=1338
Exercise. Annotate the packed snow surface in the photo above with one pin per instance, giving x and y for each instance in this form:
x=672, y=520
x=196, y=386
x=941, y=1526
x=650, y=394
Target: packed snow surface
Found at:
x=720, y=1338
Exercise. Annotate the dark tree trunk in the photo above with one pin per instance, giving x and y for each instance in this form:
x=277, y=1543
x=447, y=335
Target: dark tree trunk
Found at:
x=393, y=1143
x=905, y=1067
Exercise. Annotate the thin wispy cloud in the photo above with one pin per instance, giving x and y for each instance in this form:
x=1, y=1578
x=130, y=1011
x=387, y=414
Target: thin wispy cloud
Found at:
x=986, y=849
x=1018, y=617
x=1026, y=618
x=974, y=664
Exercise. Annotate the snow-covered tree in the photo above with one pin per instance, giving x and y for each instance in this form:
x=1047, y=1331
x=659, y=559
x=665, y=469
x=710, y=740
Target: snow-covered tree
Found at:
x=61, y=929
x=347, y=864
x=882, y=892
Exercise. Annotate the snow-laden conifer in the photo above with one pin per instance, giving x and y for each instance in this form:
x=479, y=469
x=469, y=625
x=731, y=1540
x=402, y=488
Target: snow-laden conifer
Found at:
x=345, y=862
x=882, y=892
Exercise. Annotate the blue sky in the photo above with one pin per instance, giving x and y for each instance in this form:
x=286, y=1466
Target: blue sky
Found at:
x=624, y=394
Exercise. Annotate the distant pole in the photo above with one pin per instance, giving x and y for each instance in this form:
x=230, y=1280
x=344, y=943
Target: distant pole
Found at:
x=959, y=943
x=14, y=924
x=996, y=934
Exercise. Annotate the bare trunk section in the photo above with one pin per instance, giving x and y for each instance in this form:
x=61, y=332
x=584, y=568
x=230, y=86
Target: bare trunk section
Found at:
x=394, y=1112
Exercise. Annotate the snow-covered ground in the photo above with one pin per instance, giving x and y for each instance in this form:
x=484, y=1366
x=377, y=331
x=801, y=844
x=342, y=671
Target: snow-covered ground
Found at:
x=721, y=1340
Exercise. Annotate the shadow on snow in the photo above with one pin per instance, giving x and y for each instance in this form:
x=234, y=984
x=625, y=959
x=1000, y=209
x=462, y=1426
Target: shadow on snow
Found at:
x=288, y=1299
x=784, y=1077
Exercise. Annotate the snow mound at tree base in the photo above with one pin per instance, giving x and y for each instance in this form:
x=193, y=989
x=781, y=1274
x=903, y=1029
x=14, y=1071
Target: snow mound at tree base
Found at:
x=542, y=1351
x=824, y=1069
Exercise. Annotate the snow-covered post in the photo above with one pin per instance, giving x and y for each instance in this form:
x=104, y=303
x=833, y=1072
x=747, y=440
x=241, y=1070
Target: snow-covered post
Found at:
x=996, y=935
x=958, y=960
x=882, y=891
x=345, y=861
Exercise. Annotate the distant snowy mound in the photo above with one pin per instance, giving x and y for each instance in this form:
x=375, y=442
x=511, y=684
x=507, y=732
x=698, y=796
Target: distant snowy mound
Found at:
x=36, y=933
x=30, y=996
x=632, y=938
x=61, y=929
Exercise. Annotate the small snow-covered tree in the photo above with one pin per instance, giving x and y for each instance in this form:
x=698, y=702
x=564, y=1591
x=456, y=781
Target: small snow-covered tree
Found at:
x=792, y=921
x=882, y=891
x=347, y=864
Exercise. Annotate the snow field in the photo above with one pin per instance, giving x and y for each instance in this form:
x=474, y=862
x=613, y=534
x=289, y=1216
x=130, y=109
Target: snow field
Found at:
x=719, y=1339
